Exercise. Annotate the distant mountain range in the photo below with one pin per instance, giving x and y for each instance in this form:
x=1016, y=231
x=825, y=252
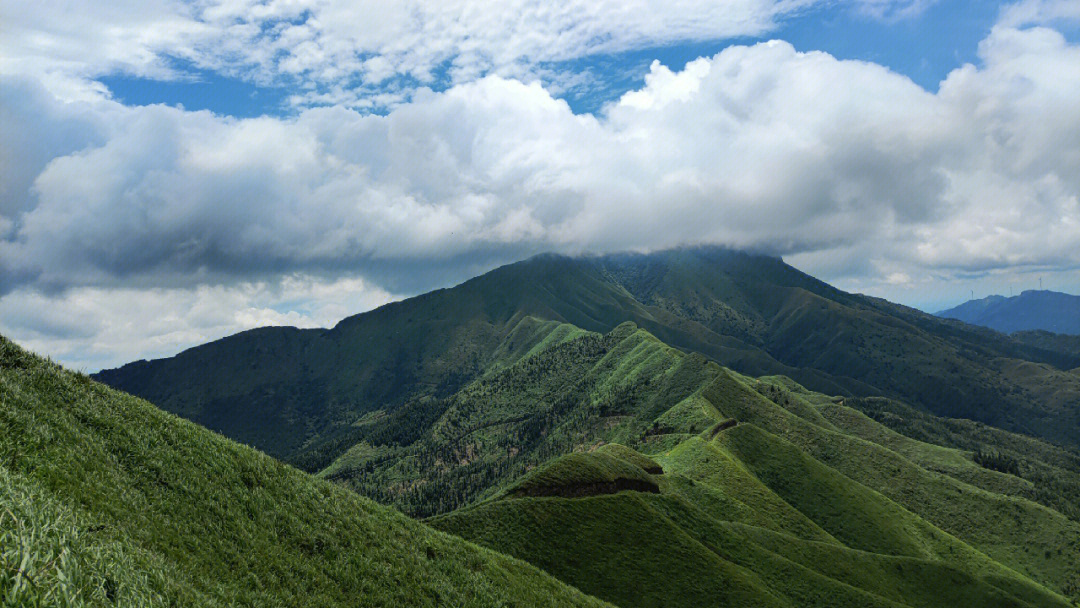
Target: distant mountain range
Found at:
x=1032, y=310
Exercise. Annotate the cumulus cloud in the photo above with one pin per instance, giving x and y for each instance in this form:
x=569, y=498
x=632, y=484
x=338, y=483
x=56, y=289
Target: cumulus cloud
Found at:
x=852, y=170
x=759, y=146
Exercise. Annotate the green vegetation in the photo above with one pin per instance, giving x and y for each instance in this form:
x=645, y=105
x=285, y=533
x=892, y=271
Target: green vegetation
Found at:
x=106, y=500
x=576, y=413
x=298, y=394
x=681, y=547
x=580, y=474
x=580, y=392
x=767, y=453
x=1050, y=341
x=1048, y=474
x=996, y=461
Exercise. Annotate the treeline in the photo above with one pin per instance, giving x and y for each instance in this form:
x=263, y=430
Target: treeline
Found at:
x=996, y=461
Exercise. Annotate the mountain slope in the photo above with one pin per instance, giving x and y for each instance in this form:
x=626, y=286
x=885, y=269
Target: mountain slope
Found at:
x=1050, y=341
x=107, y=500
x=860, y=345
x=285, y=390
x=769, y=447
x=1050, y=311
x=673, y=546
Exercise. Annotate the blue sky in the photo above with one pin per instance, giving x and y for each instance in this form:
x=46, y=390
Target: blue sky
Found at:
x=924, y=46
x=188, y=170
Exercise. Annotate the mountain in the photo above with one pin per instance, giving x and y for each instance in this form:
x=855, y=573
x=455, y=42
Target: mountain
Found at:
x=624, y=467
x=297, y=394
x=573, y=413
x=689, y=540
x=1050, y=341
x=1049, y=311
x=106, y=500
x=804, y=464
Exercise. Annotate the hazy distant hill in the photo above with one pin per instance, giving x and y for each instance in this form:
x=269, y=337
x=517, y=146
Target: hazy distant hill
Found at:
x=1031, y=310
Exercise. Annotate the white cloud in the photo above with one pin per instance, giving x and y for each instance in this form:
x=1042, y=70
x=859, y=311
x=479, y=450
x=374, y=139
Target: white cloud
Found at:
x=891, y=11
x=344, y=51
x=758, y=146
x=91, y=328
x=1039, y=12
x=853, y=169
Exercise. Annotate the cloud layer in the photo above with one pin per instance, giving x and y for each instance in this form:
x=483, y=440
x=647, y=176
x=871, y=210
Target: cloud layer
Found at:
x=363, y=53
x=855, y=171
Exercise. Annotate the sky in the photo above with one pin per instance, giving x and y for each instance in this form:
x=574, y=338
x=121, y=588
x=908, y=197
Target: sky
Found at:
x=174, y=172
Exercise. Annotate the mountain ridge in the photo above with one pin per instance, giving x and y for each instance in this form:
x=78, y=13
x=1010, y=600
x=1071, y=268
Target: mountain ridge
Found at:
x=1032, y=310
x=749, y=489
x=750, y=312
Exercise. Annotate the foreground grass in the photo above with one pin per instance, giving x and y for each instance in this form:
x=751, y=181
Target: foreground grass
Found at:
x=106, y=500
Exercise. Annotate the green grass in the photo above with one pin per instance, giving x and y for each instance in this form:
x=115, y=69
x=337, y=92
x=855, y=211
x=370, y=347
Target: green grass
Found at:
x=687, y=546
x=107, y=500
x=725, y=484
x=803, y=471
x=1024, y=536
x=614, y=547
x=1049, y=474
x=580, y=470
x=578, y=391
x=51, y=557
x=624, y=453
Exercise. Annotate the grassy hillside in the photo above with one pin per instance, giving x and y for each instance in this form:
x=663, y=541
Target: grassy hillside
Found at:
x=679, y=546
x=851, y=437
x=1034, y=469
x=106, y=500
x=579, y=389
x=298, y=394
x=780, y=457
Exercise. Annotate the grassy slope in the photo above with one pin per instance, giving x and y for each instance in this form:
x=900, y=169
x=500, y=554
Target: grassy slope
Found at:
x=1027, y=537
x=107, y=500
x=800, y=474
x=681, y=548
x=1048, y=474
x=1050, y=341
x=844, y=343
